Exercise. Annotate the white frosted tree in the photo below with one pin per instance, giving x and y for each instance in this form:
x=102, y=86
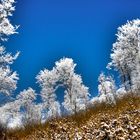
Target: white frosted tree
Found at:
x=8, y=79
x=48, y=80
x=106, y=88
x=28, y=107
x=6, y=28
x=63, y=75
x=125, y=53
x=136, y=75
x=9, y=111
x=76, y=96
x=76, y=93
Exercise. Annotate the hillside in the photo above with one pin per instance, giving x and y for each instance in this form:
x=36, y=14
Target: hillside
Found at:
x=102, y=122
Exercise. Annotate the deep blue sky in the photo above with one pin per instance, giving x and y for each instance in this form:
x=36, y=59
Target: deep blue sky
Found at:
x=80, y=29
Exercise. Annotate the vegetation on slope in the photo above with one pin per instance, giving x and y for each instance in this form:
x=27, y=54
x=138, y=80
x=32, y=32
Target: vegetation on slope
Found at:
x=101, y=122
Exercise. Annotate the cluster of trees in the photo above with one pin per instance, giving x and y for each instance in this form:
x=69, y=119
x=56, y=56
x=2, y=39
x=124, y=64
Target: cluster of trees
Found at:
x=76, y=93
x=125, y=58
x=24, y=105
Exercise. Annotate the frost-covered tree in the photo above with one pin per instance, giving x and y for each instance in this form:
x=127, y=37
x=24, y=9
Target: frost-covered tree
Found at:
x=9, y=111
x=63, y=74
x=125, y=53
x=27, y=105
x=37, y=113
x=106, y=88
x=8, y=79
x=76, y=93
x=136, y=75
x=6, y=28
x=48, y=80
x=21, y=111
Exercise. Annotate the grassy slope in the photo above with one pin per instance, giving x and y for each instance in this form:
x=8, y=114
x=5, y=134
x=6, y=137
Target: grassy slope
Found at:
x=102, y=122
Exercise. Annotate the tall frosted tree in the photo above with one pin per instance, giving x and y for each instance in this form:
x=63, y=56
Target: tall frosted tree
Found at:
x=125, y=54
x=63, y=75
x=76, y=93
x=48, y=80
x=8, y=79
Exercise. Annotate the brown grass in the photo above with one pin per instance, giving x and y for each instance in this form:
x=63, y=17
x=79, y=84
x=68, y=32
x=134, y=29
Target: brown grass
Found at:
x=126, y=104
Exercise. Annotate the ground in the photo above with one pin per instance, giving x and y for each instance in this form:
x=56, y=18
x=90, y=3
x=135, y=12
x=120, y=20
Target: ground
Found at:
x=101, y=122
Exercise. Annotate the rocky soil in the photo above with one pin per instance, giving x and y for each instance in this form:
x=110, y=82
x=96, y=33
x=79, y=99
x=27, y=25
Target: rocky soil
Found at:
x=118, y=123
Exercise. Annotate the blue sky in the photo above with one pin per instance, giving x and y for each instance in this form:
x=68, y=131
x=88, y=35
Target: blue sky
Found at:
x=80, y=29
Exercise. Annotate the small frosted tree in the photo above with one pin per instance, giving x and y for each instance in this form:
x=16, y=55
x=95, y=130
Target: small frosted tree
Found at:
x=106, y=88
x=27, y=105
x=125, y=53
x=9, y=111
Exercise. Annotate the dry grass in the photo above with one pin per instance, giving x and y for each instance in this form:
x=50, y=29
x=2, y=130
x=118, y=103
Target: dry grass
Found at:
x=97, y=114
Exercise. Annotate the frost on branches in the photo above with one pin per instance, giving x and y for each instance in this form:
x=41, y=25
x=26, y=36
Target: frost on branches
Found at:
x=63, y=74
x=9, y=111
x=106, y=88
x=8, y=79
x=6, y=28
x=47, y=80
x=76, y=93
x=31, y=111
x=126, y=55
